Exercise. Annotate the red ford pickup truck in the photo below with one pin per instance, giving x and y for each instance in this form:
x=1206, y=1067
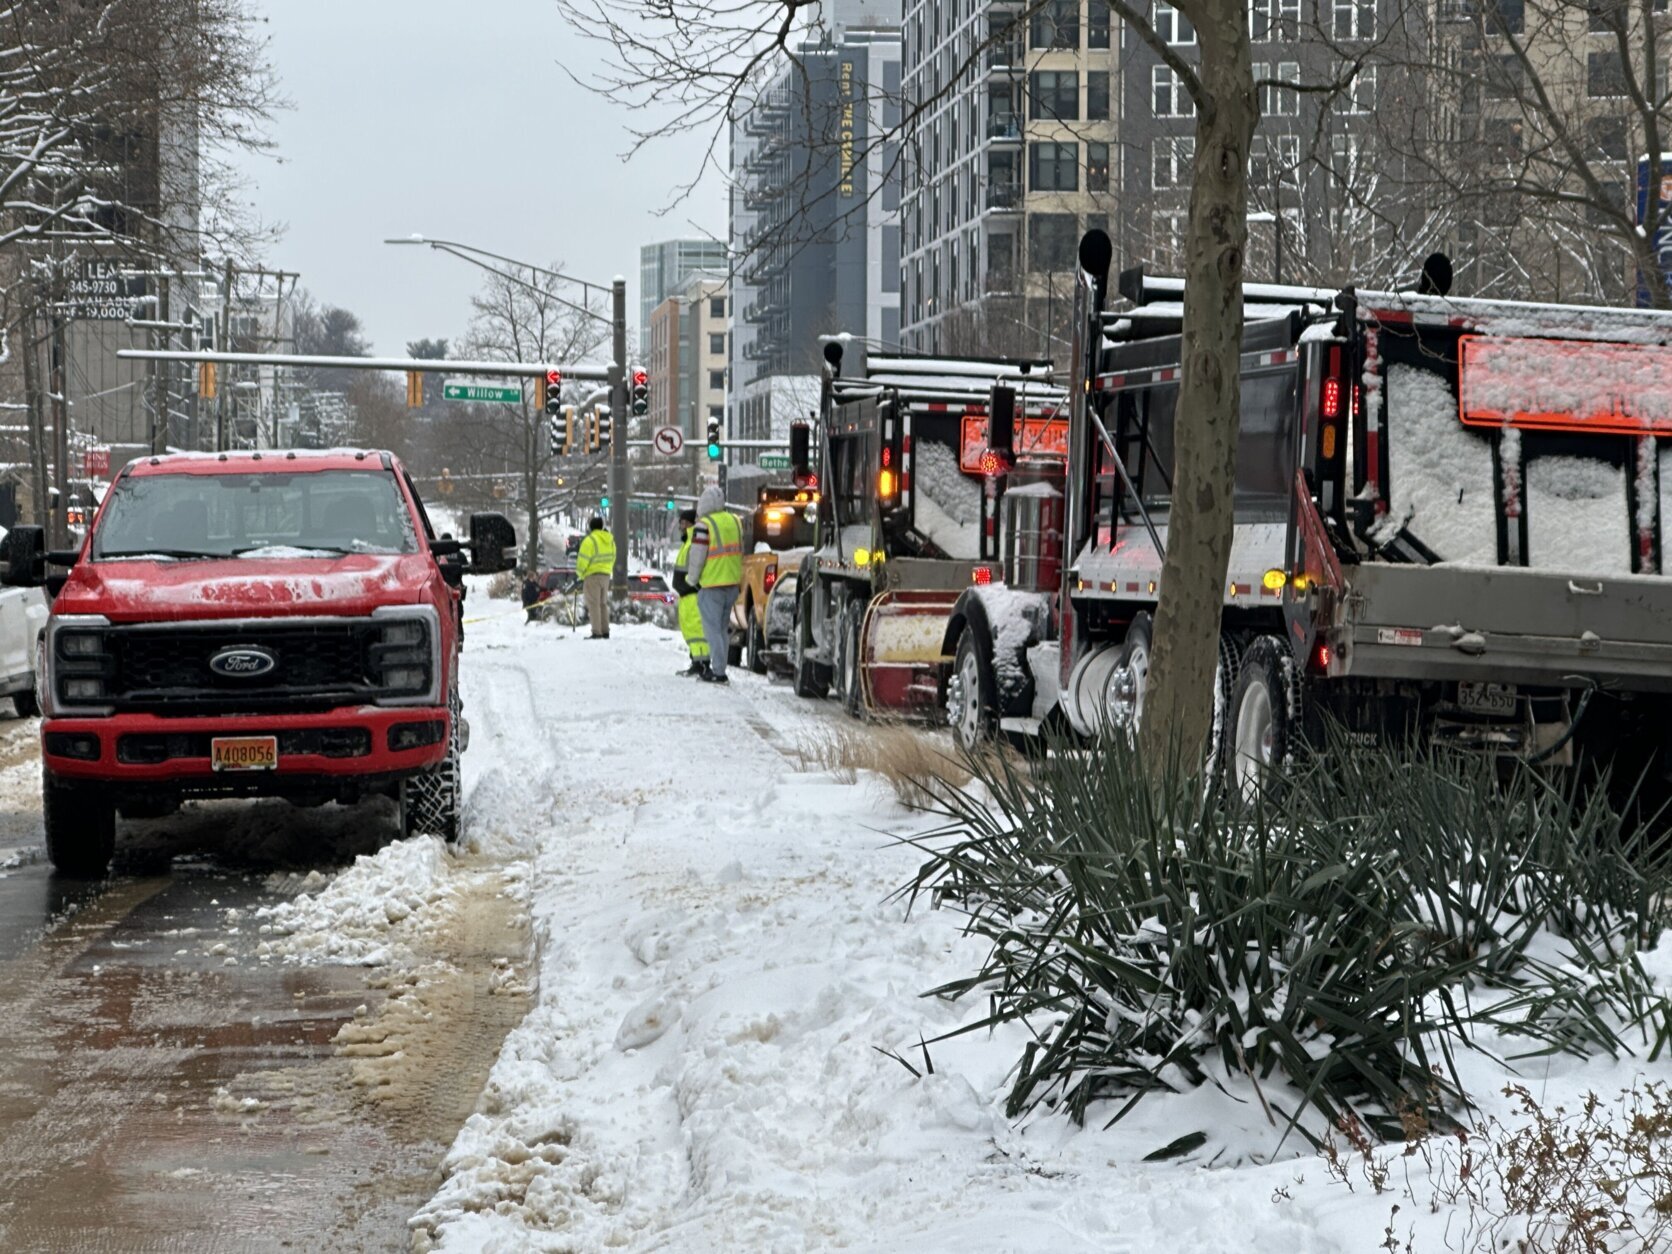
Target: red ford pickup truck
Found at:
x=251, y=624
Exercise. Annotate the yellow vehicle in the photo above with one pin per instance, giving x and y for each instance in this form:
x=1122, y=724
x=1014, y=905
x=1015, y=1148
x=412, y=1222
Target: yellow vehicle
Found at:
x=781, y=532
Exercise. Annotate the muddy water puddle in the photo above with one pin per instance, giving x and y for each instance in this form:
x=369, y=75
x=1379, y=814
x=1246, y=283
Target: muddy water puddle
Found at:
x=162, y=1089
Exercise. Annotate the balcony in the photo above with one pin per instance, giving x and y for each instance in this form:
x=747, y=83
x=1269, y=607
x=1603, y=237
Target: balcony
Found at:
x=1005, y=194
x=1002, y=58
x=1005, y=127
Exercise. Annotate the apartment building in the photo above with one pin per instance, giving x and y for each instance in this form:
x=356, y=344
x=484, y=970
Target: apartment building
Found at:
x=814, y=213
x=664, y=268
x=687, y=357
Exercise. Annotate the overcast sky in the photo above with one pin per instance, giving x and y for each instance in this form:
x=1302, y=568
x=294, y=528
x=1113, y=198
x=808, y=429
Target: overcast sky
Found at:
x=450, y=118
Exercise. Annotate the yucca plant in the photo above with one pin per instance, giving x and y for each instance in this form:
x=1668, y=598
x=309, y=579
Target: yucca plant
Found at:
x=1333, y=944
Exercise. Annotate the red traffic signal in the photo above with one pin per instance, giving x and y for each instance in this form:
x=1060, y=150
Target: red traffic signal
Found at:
x=554, y=393
x=640, y=378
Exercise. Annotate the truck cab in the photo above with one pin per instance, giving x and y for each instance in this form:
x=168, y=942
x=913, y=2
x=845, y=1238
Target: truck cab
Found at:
x=252, y=624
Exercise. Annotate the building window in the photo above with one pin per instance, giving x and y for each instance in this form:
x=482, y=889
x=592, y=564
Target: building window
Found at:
x=717, y=344
x=1502, y=138
x=1605, y=74
x=1169, y=238
x=1097, y=167
x=1097, y=24
x=1097, y=96
x=1360, y=93
x=1344, y=156
x=1057, y=25
x=1168, y=94
x=1001, y=261
x=717, y=380
x=1170, y=161
x=1097, y=222
x=716, y=306
x=1608, y=137
x=1606, y=15
x=1053, y=167
x=1054, y=94
x=1276, y=101
x=1505, y=75
x=1273, y=161
x=1051, y=241
x=1355, y=19
x=1270, y=20
x=1171, y=25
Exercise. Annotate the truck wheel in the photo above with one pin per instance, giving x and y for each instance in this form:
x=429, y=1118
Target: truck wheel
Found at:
x=1129, y=681
x=850, y=679
x=80, y=829
x=811, y=679
x=27, y=702
x=1263, y=719
x=755, y=649
x=971, y=694
x=430, y=803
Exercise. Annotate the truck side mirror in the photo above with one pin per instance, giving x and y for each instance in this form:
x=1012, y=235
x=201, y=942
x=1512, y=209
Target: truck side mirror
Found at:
x=493, y=544
x=23, y=558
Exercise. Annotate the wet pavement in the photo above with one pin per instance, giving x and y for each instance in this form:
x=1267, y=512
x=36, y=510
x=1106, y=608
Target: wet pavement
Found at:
x=162, y=1088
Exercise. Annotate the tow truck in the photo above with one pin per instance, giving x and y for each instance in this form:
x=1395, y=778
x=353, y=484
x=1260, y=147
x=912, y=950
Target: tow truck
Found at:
x=1448, y=524
x=251, y=624
x=904, y=525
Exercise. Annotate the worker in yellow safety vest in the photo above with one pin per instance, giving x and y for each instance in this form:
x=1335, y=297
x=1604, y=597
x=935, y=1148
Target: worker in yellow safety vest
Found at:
x=690, y=618
x=594, y=564
x=714, y=567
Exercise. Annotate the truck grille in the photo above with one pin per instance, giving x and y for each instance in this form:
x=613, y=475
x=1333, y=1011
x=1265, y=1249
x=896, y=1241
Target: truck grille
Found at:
x=167, y=670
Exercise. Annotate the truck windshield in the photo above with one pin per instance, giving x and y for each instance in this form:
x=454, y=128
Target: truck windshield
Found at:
x=315, y=514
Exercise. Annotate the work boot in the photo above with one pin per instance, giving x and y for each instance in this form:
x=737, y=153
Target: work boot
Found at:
x=695, y=668
x=709, y=677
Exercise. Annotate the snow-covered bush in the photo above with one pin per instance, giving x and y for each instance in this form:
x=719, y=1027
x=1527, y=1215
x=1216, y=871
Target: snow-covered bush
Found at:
x=1331, y=949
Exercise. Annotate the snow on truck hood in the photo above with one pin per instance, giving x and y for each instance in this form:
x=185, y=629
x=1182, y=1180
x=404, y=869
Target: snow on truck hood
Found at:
x=139, y=589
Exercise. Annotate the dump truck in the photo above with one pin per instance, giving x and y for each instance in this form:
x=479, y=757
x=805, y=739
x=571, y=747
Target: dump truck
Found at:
x=904, y=526
x=1449, y=524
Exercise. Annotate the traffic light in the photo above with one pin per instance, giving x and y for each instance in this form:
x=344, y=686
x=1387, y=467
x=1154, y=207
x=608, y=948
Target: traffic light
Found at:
x=551, y=399
x=672, y=505
x=713, y=439
x=206, y=380
x=559, y=430
x=603, y=502
x=414, y=389
x=641, y=392
x=605, y=420
x=801, y=453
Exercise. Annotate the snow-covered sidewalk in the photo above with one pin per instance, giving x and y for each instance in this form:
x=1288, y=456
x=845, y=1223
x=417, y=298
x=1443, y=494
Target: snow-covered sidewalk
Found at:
x=722, y=976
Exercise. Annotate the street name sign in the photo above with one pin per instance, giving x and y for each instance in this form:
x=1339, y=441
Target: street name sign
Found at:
x=773, y=461
x=493, y=393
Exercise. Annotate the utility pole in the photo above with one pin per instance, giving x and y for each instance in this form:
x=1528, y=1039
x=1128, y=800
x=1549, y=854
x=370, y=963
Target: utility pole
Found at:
x=38, y=456
x=618, y=441
x=224, y=343
x=59, y=383
x=163, y=338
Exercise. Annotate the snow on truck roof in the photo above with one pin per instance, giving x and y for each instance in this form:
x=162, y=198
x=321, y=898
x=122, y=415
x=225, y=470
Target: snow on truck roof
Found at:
x=250, y=461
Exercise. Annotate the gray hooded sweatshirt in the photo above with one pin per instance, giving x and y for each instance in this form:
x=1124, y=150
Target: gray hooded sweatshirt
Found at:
x=711, y=501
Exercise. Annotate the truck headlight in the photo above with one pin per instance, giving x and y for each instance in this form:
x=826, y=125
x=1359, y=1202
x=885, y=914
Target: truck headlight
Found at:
x=404, y=655
x=80, y=644
x=83, y=689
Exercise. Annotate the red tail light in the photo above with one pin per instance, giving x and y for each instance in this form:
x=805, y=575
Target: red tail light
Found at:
x=1321, y=656
x=982, y=575
x=1332, y=398
x=887, y=456
x=992, y=464
x=768, y=579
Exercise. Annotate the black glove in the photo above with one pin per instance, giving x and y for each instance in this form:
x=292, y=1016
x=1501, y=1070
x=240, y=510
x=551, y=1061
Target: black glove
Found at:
x=682, y=584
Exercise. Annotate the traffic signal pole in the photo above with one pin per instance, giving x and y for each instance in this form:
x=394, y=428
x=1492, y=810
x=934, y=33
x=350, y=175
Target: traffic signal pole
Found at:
x=618, y=445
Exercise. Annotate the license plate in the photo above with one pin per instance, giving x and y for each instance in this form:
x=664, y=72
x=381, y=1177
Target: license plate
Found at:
x=244, y=753
x=1486, y=698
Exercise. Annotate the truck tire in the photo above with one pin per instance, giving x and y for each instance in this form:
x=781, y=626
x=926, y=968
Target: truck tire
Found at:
x=972, y=693
x=1129, y=681
x=80, y=829
x=811, y=679
x=1263, y=720
x=27, y=702
x=755, y=647
x=850, y=682
x=430, y=803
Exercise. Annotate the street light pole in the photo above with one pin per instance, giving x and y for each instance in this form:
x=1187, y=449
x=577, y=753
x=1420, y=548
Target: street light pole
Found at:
x=619, y=422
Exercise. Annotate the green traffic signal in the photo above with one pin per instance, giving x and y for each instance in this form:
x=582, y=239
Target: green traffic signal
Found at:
x=713, y=451
x=604, y=503
x=671, y=505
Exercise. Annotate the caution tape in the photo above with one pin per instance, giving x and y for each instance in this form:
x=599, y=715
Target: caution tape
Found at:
x=574, y=601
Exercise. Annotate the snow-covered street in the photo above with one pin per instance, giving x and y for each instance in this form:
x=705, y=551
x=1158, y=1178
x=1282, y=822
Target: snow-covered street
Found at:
x=727, y=991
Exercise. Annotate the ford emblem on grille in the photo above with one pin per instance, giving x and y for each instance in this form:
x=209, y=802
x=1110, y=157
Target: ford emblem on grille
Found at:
x=243, y=662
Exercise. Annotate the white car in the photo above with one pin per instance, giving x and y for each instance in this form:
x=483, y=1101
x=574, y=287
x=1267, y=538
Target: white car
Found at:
x=23, y=614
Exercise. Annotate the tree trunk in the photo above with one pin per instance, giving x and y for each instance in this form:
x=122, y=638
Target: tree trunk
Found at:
x=1178, y=712
x=35, y=402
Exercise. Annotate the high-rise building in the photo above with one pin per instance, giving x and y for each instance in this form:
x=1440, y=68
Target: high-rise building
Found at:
x=664, y=267
x=815, y=213
x=1013, y=156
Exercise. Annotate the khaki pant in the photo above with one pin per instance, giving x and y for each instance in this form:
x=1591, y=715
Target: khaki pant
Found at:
x=598, y=604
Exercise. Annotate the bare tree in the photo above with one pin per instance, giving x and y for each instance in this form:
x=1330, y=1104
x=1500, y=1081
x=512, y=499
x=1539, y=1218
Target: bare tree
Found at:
x=522, y=316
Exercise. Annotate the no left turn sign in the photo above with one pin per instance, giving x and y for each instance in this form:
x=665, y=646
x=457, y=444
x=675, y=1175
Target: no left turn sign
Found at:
x=669, y=440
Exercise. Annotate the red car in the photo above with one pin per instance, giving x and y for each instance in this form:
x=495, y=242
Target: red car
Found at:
x=650, y=588
x=251, y=624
